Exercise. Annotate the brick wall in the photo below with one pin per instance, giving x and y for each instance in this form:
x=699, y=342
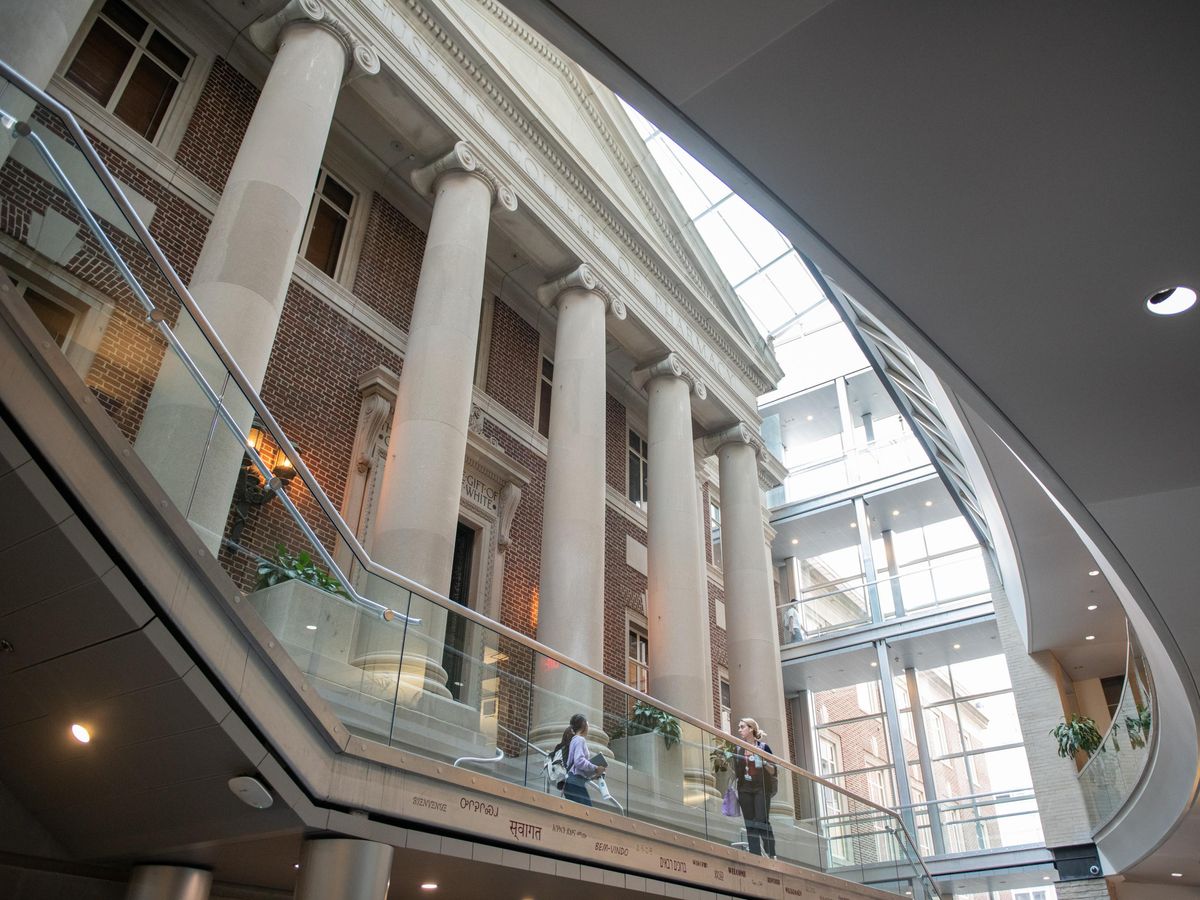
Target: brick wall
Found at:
x=514, y=363
x=390, y=263
x=217, y=125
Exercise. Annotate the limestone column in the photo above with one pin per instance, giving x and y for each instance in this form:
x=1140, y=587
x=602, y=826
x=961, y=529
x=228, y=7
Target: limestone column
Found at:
x=677, y=595
x=245, y=265
x=571, y=589
x=344, y=869
x=168, y=883
x=422, y=477
x=33, y=41
x=755, y=675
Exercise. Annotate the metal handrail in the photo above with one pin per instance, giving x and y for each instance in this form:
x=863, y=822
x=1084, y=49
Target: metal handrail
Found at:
x=326, y=505
x=488, y=760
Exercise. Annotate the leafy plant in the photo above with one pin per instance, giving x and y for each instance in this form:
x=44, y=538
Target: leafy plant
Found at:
x=647, y=719
x=301, y=567
x=1138, y=728
x=1077, y=734
x=720, y=755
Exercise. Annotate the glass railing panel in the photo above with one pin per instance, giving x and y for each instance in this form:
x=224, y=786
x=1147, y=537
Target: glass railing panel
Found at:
x=1114, y=770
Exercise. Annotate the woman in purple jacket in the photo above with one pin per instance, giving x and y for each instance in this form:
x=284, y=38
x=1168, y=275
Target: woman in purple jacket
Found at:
x=579, y=768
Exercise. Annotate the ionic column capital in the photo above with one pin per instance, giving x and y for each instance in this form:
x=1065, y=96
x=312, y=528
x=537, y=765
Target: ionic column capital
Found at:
x=670, y=366
x=361, y=57
x=464, y=158
x=582, y=278
x=737, y=433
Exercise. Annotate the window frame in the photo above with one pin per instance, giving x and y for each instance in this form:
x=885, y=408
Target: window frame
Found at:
x=544, y=395
x=641, y=502
x=181, y=100
x=714, y=530
x=344, y=254
x=636, y=626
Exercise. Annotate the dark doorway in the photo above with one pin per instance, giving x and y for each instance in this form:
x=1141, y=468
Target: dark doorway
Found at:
x=456, y=626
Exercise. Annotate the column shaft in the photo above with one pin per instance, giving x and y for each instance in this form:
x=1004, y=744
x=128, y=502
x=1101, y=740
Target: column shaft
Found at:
x=755, y=676
x=422, y=478
x=680, y=669
x=243, y=272
x=344, y=869
x=571, y=593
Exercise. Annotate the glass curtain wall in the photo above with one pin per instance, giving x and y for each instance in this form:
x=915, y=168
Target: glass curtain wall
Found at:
x=968, y=778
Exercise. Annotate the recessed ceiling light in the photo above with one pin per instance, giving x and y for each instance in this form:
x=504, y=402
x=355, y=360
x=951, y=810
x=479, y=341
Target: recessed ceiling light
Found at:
x=1176, y=874
x=808, y=418
x=795, y=540
x=296, y=866
x=429, y=886
x=895, y=512
x=929, y=503
x=1045, y=878
x=1172, y=301
x=311, y=627
x=874, y=665
x=958, y=646
x=1094, y=572
x=1089, y=637
x=80, y=733
x=1091, y=606
x=853, y=524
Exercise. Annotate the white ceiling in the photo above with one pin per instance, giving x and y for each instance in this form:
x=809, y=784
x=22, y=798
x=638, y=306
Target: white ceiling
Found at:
x=1002, y=185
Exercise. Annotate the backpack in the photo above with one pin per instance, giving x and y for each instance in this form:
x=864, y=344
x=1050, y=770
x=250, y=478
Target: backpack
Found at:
x=555, y=767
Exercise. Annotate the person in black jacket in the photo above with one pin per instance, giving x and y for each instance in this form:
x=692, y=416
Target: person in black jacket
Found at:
x=754, y=775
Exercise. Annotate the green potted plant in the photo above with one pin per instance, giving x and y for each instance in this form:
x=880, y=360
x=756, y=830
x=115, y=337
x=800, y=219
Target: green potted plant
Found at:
x=720, y=756
x=285, y=567
x=1138, y=728
x=1078, y=734
x=647, y=719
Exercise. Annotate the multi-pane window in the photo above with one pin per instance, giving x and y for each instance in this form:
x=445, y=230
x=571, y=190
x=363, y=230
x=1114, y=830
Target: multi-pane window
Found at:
x=639, y=467
x=130, y=67
x=637, y=666
x=545, y=391
x=714, y=525
x=328, y=221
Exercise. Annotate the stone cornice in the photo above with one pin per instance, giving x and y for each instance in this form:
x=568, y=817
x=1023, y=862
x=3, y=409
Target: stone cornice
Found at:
x=709, y=325
x=582, y=278
x=361, y=57
x=463, y=158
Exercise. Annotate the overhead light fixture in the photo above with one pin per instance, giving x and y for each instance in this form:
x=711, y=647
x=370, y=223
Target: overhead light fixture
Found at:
x=795, y=540
x=1089, y=637
x=929, y=503
x=874, y=665
x=80, y=733
x=429, y=886
x=808, y=418
x=1176, y=874
x=958, y=646
x=1172, y=301
x=311, y=627
x=1094, y=572
x=895, y=512
x=853, y=524
x=1091, y=606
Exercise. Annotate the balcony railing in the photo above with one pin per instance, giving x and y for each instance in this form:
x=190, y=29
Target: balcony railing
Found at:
x=998, y=820
x=400, y=664
x=957, y=580
x=1115, y=769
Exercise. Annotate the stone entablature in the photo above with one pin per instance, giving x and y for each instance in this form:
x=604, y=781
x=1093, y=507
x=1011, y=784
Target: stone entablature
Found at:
x=432, y=61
